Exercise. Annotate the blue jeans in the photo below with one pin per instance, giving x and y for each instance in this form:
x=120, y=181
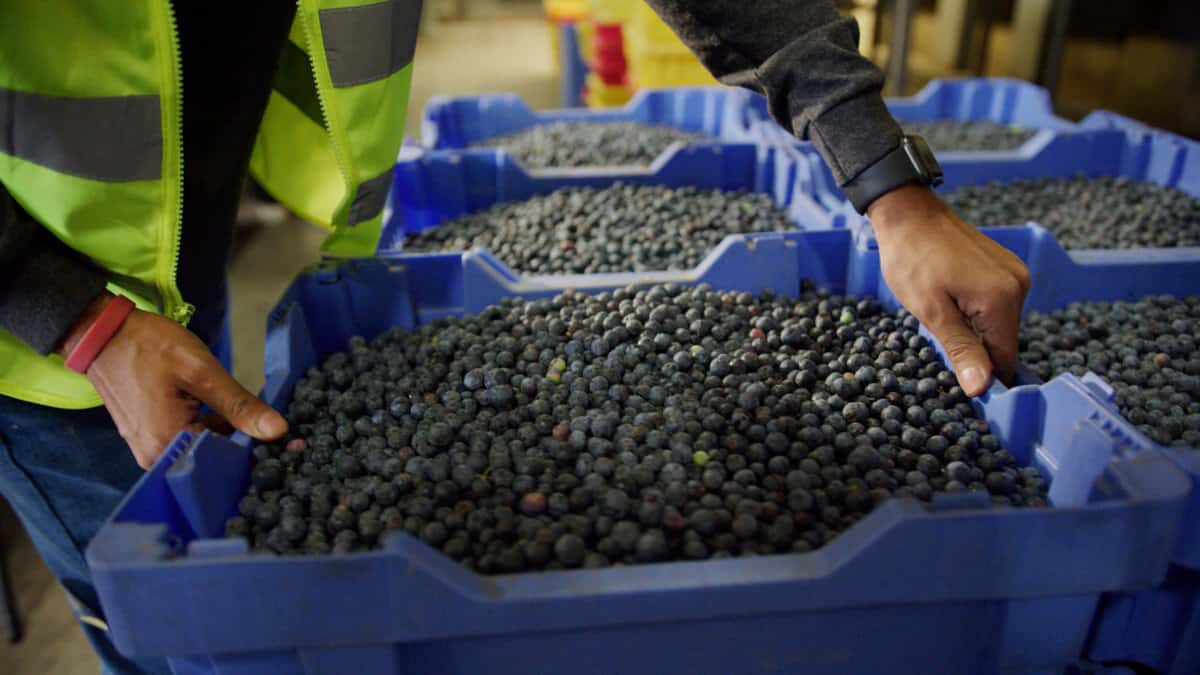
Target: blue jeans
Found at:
x=64, y=472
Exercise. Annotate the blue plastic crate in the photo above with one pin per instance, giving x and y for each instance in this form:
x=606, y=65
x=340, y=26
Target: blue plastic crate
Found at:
x=429, y=188
x=1106, y=119
x=724, y=113
x=1156, y=158
x=961, y=587
x=990, y=99
x=1158, y=627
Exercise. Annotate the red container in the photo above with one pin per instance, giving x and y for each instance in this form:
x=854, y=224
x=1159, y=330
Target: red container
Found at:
x=609, y=54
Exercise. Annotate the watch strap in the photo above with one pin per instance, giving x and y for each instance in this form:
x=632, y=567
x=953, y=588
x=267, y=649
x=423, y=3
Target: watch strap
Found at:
x=892, y=171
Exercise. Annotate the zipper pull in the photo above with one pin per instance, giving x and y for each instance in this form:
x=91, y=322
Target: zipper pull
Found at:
x=183, y=313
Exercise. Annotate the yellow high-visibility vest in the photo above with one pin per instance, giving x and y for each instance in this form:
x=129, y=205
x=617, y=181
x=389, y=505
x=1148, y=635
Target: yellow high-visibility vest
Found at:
x=91, y=141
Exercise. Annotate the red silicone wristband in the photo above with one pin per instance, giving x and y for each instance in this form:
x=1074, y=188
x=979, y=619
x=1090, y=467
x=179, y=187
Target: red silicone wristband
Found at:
x=99, y=333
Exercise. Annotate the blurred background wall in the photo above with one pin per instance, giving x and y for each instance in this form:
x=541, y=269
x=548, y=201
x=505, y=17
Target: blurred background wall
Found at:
x=1137, y=57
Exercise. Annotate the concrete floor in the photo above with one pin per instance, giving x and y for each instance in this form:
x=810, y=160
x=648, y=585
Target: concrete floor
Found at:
x=509, y=51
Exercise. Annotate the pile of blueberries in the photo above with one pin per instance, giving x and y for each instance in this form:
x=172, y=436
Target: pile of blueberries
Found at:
x=635, y=426
x=575, y=144
x=970, y=135
x=1146, y=349
x=622, y=228
x=1085, y=212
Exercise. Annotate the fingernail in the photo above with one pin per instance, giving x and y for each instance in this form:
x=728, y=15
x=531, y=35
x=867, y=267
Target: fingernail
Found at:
x=973, y=380
x=271, y=425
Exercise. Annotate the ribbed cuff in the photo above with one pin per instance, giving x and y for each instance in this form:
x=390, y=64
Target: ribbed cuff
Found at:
x=47, y=293
x=854, y=135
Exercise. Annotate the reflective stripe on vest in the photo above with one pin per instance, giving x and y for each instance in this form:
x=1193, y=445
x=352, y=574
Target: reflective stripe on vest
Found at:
x=110, y=139
x=361, y=55
x=294, y=82
x=370, y=198
x=370, y=42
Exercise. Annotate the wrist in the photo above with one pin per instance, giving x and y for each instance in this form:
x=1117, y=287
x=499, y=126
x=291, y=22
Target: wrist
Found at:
x=79, y=328
x=910, y=203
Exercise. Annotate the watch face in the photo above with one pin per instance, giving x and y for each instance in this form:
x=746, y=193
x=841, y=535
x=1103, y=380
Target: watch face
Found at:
x=922, y=158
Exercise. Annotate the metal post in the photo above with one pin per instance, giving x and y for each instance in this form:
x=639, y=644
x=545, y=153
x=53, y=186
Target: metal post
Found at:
x=1056, y=42
x=897, y=67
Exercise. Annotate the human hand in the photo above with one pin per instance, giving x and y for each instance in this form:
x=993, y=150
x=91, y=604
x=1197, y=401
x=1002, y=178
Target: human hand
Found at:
x=962, y=285
x=154, y=375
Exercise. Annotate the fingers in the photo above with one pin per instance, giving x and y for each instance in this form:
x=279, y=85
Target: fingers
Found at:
x=216, y=423
x=993, y=306
x=209, y=382
x=146, y=432
x=1009, y=262
x=964, y=348
x=998, y=324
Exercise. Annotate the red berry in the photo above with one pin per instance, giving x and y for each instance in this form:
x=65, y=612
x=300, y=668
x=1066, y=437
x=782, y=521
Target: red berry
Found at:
x=533, y=503
x=674, y=520
x=561, y=433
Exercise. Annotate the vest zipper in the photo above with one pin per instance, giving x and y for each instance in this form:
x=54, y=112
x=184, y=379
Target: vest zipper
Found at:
x=310, y=45
x=168, y=285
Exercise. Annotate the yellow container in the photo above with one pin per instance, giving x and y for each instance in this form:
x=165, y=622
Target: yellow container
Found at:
x=565, y=10
x=613, y=11
x=657, y=58
x=645, y=26
x=601, y=95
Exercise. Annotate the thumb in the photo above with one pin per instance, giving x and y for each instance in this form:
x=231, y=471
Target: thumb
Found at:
x=246, y=412
x=964, y=348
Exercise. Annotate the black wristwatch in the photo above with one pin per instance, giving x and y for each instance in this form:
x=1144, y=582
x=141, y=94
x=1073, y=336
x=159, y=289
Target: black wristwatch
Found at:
x=911, y=162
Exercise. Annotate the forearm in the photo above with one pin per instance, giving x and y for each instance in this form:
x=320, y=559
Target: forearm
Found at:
x=45, y=287
x=803, y=56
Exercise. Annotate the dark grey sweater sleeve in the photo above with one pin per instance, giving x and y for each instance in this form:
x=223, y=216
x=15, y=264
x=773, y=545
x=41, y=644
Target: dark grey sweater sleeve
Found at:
x=44, y=285
x=803, y=56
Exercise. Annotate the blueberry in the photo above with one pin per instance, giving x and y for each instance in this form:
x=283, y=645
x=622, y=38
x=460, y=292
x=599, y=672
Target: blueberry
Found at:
x=856, y=411
x=625, y=534
x=914, y=439
x=680, y=426
x=745, y=526
x=348, y=466
x=1000, y=483
x=927, y=387
x=434, y=534
x=569, y=550
x=267, y=476
x=651, y=547
x=958, y=471
x=1086, y=212
x=971, y=135
x=237, y=526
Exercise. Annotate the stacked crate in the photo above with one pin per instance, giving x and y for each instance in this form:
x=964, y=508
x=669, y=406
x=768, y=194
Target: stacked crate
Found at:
x=1110, y=573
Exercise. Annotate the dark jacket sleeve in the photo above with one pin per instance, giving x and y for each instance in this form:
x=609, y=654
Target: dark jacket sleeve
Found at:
x=803, y=56
x=44, y=285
